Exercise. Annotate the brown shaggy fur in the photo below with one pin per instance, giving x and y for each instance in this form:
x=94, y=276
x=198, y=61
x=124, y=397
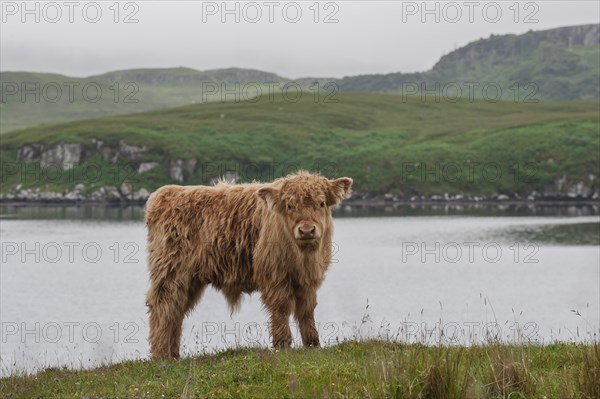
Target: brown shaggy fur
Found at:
x=273, y=238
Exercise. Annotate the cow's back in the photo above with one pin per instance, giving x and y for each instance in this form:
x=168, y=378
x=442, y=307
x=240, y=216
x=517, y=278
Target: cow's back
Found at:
x=210, y=230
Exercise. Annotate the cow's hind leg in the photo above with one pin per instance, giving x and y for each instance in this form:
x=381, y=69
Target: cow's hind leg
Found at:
x=167, y=302
x=195, y=291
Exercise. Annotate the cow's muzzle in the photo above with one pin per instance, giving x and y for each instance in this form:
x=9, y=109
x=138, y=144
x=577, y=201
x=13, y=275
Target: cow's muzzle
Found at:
x=307, y=232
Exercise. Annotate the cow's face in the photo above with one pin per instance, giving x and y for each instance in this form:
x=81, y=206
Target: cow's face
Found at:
x=304, y=202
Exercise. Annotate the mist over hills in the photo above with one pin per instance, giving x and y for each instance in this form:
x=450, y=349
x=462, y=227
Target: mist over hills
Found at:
x=558, y=64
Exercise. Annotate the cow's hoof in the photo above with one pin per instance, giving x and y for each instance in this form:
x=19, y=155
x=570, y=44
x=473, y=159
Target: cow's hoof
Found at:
x=282, y=346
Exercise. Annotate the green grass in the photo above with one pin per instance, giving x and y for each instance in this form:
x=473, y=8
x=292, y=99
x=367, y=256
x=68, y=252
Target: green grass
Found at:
x=374, y=138
x=365, y=369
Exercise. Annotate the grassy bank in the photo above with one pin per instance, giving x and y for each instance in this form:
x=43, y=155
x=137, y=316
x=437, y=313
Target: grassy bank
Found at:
x=386, y=143
x=371, y=369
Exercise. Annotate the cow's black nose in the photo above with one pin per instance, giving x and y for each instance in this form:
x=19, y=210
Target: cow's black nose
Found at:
x=307, y=231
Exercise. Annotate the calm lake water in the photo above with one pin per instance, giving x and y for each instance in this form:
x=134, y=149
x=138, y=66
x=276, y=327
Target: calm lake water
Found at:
x=73, y=281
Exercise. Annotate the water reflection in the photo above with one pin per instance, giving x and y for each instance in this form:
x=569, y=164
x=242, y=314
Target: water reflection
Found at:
x=558, y=234
x=72, y=212
x=136, y=212
x=472, y=209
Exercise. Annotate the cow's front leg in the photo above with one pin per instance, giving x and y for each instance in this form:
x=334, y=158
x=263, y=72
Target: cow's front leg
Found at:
x=280, y=304
x=306, y=301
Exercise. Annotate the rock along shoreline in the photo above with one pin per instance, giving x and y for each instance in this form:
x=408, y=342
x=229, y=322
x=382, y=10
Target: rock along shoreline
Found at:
x=124, y=195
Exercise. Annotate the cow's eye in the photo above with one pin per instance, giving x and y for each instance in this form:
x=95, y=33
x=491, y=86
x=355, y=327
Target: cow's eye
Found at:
x=290, y=208
x=322, y=205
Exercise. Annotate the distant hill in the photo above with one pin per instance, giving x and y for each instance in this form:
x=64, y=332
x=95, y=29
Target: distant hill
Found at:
x=184, y=76
x=560, y=64
x=62, y=98
x=387, y=144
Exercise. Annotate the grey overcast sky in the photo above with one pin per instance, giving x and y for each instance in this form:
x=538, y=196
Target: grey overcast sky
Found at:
x=293, y=39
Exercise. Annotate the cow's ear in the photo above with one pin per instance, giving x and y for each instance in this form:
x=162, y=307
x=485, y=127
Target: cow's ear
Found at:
x=270, y=195
x=338, y=190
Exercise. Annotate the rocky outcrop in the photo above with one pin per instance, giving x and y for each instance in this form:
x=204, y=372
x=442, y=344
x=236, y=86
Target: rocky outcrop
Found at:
x=388, y=198
x=30, y=153
x=108, y=193
x=146, y=167
x=140, y=195
x=104, y=194
x=176, y=170
x=180, y=169
x=545, y=58
x=67, y=155
x=62, y=155
x=125, y=183
x=506, y=46
x=125, y=193
x=123, y=152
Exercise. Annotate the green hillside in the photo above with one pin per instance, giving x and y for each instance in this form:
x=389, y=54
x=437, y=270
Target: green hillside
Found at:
x=62, y=98
x=385, y=143
x=559, y=64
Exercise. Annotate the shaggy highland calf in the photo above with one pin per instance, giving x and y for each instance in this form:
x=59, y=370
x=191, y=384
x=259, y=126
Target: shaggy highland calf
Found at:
x=273, y=238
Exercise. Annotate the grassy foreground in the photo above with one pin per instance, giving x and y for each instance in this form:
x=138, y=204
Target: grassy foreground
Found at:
x=369, y=369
